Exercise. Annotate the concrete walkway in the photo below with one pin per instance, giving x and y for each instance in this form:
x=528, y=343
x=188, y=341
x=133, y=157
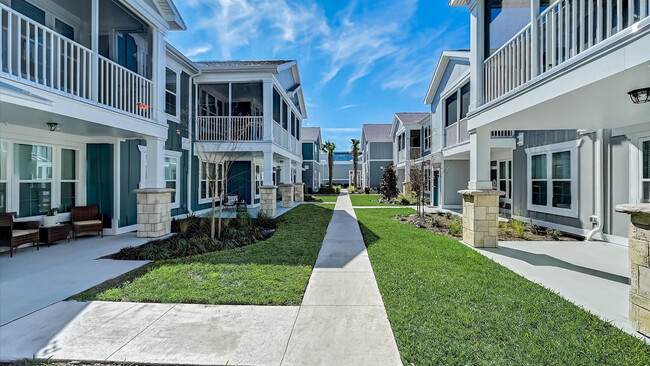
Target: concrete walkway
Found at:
x=342, y=321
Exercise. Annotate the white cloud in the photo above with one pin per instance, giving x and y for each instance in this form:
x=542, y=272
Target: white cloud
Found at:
x=348, y=106
x=197, y=50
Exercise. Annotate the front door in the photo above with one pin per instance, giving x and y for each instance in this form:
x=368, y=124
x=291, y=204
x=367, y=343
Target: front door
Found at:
x=436, y=179
x=239, y=180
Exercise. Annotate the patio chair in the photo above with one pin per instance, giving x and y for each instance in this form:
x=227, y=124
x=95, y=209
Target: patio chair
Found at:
x=14, y=233
x=86, y=219
x=231, y=201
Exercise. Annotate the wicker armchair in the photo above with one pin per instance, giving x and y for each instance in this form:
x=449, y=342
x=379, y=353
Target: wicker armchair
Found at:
x=13, y=234
x=86, y=219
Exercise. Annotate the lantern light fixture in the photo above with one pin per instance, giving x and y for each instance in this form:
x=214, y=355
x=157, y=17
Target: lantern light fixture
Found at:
x=52, y=126
x=640, y=96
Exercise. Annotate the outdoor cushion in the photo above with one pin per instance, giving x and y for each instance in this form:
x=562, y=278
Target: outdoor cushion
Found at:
x=88, y=222
x=17, y=233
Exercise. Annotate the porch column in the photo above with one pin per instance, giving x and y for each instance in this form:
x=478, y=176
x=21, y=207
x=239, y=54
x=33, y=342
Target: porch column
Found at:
x=477, y=55
x=286, y=171
x=267, y=169
x=267, y=97
x=480, y=201
x=286, y=191
x=158, y=74
x=638, y=248
x=154, y=199
x=268, y=191
x=94, y=46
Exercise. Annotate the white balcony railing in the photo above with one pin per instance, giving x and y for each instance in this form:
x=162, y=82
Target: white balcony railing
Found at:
x=248, y=128
x=564, y=30
x=34, y=53
x=401, y=155
x=456, y=133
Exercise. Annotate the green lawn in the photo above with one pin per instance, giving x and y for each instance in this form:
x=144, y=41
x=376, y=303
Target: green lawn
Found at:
x=447, y=304
x=272, y=272
x=331, y=198
x=366, y=200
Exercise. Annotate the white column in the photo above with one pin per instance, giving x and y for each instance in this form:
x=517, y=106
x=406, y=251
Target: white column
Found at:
x=158, y=67
x=94, y=46
x=477, y=55
x=299, y=166
x=268, y=110
x=267, y=169
x=286, y=171
x=155, y=163
x=479, y=159
x=534, y=29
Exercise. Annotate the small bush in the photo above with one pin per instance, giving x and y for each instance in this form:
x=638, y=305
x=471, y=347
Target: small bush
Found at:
x=366, y=190
x=154, y=251
x=519, y=228
x=553, y=234
x=244, y=219
x=265, y=221
x=388, y=188
x=456, y=226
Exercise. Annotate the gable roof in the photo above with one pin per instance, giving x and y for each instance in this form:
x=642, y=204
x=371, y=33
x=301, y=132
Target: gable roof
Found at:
x=457, y=2
x=171, y=14
x=377, y=132
x=440, y=71
x=411, y=118
x=263, y=65
x=310, y=133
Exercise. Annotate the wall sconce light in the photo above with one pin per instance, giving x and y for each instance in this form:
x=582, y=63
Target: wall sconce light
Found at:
x=52, y=126
x=640, y=96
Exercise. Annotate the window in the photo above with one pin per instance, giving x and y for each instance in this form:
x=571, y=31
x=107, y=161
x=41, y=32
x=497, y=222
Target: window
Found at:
x=427, y=138
x=246, y=99
x=505, y=178
x=170, y=92
x=504, y=19
x=69, y=179
x=64, y=29
x=298, y=128
x=451, y=110
x=552, y=176
x=464, y=101
x=276, y=107
x=645, y=172
x=3, y=176
x=285, y=108
x=172, y=175
x=209, y=173
x=33, y=167
x=293, y=124
x=258, y=179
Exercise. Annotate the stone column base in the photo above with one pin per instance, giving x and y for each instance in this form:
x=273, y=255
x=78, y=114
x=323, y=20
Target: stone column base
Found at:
x=481, y=217
x=154, y=212
x=639, y=252
x=268, y=202
x=299, y=192
x=286, y=191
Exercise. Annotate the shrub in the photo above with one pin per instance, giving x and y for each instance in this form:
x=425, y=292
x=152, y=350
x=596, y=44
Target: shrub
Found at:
x=309, y=198
x=519, y=228
x=154, y=251
x=351, y=189
x=366, y=190
x=388, y=187
x=403, y=200
x=554, y=234
x=456, y=226
x=244, y=219
x=266, y=221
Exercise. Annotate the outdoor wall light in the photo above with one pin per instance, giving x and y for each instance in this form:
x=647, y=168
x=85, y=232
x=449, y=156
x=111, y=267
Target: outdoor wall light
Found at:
x=52, y=126
x=639, y=96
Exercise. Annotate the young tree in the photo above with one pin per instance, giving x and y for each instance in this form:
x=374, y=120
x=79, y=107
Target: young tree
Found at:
x=354, y=149
x=329, y=147
x=388, y=187
x=417, y=181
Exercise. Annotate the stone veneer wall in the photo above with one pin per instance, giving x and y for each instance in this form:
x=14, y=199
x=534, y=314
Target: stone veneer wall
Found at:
x=286, y=191
x=268, y=203
x=154, y=212
x=481, y=217
x=299, y=192
x=639, y=252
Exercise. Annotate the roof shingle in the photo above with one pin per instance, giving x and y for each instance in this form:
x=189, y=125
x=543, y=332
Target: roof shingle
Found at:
x=377, y=132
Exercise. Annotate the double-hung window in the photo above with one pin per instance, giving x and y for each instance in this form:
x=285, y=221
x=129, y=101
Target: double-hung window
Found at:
x=285, y=108
x=427, y=138
x=170, y=91
x=552, y=179
x=645, y=171
x=258, y=179
x=210, y=173
x=293, y=124
x=69, y=179
x=4, y=153
x=172, y=178
x=33, y=166
x=276, y=107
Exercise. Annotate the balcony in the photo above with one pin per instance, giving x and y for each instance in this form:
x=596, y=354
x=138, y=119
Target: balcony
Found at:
x=497, y=134
x=39, y=56
x=456, y=133
x=214, y=128
x=564, y=30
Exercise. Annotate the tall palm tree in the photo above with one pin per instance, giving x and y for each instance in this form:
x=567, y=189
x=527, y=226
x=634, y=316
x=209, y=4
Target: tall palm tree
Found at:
x=354, y=149
x=329, y=147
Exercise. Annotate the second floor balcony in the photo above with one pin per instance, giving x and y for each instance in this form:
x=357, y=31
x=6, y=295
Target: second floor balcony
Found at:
x=239, y=128
x=57, y=57
x=563, y=30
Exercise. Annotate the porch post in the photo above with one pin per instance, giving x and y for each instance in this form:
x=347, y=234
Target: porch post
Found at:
x=267, y=169
x=94, y=46
x=477, y=55
x=638, y=248
x=268, y=201
x=286, y=171
x=480, y=201
x=158, y=67
x=267, y=96
x=154, y=199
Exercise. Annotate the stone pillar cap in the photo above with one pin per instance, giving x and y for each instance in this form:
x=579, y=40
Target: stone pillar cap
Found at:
x=154, y=190
x=286, y=184
x=634, y=208
x=481, y=192
x=268, y=187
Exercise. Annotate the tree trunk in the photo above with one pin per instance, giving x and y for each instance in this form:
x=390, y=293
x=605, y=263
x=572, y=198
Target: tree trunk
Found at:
x=330, y=160
x=354, y=166
x=214, y=202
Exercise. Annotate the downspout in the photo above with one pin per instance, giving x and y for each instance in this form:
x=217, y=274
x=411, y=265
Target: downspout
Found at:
x=597, y=218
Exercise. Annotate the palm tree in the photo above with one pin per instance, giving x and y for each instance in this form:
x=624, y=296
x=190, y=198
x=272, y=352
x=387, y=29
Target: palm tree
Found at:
x=329, y=147
x=355, y=159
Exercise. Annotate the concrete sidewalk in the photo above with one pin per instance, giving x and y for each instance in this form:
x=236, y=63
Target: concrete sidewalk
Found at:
x=342, y=321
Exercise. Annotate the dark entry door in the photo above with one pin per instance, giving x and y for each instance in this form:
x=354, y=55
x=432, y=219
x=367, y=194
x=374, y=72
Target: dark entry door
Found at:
x=436, y=179
x=239, y=180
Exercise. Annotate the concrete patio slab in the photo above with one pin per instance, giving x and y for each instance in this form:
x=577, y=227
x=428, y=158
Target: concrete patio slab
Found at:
x=34, y=279
x=342, y=335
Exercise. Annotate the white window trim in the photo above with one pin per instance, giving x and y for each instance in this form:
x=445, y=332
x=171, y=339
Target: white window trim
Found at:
x=255, y=180
x=176, y=155
x=640, y=169
x=508, y=178
x=176, y=93
x=198, y=191
x=548, y=150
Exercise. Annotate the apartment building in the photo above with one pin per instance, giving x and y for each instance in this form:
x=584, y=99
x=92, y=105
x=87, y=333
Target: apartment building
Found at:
x=376, y=153
x=312, y=147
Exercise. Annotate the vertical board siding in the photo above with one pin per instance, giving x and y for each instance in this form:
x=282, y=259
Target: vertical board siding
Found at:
x=99, y=178
x=129, y=181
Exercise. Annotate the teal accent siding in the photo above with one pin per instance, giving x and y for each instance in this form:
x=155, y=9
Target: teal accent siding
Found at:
x=175, y=134
x=99, y=178
x=194, y=194
x=239, y=180
x=307, y=151
x=129, y=181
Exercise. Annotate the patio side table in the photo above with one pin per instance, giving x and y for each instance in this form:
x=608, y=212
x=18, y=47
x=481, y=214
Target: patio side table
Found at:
x=50, y=234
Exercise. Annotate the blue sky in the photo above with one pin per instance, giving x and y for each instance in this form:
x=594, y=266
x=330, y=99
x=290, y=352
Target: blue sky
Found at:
x=360, y=61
